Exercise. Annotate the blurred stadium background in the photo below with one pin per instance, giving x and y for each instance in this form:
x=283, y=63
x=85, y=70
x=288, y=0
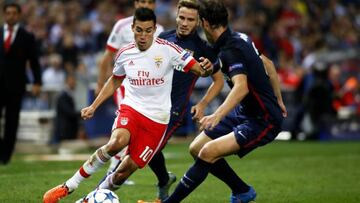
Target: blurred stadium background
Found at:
x=314, y=44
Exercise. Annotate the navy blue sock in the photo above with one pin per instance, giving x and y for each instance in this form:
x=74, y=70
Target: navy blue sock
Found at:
x=157, y=165
x=192, y=178
x=224, y=172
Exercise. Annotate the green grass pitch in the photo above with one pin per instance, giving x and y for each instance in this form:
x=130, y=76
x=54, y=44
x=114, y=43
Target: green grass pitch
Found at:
x=281, y=172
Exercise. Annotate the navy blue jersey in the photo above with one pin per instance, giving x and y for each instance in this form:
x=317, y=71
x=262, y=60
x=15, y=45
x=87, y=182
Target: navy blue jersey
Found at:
x=238, y=55
x=183, y=83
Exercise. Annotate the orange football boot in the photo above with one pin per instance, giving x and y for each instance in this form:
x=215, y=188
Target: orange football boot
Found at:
x=55, y=194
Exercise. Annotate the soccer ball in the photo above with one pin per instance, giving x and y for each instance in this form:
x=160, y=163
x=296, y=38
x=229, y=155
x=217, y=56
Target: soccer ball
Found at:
x=102, y=196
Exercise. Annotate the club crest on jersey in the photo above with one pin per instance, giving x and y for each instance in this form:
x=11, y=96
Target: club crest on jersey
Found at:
x=124, y=120
x=158, y=61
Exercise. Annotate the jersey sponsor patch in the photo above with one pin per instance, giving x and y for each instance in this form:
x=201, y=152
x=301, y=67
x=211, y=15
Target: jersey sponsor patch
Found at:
x=141, y=81
x=235, y=66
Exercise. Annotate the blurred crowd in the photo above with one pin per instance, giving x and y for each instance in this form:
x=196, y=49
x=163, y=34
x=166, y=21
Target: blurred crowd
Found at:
x=314, y=44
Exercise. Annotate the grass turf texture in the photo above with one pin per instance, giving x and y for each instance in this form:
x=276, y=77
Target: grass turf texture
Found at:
x=281, y=172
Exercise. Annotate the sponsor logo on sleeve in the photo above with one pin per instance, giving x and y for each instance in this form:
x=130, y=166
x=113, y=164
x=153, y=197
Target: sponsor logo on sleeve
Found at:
x=185, y=56
x=190, y=51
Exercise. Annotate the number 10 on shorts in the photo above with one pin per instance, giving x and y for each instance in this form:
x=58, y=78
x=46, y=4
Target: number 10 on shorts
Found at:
x=146, y=154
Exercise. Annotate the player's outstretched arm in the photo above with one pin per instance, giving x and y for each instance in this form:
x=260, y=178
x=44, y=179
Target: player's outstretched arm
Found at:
x=214, y=90
x=274, y=80
x=108, y=89
x=103, y=69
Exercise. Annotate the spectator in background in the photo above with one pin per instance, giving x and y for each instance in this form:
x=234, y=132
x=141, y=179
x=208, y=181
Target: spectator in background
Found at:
x=54, y=75
x=17, y=48
x=69, y=52
x=84, y=38
x=318, y=100
x=347, y=98
x=67, y=117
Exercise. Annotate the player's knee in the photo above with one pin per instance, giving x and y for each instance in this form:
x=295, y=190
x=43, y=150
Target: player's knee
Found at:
x=207, y=153
x=198, y=143
x=194, y=149
x=112, y=148
x=119, y=139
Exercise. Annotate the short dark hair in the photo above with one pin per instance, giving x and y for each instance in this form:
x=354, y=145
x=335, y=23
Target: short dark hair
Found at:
x=215, y=12
x=193, y=4
x=12, y=4
x=144, y=14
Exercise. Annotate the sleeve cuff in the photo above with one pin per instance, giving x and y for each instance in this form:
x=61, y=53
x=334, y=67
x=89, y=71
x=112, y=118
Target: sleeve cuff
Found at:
x=119, y=76
x=110, y=48
x=189, y=65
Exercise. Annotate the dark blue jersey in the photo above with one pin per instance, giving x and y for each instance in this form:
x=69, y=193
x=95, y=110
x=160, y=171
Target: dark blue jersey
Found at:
x=238, y=55
x=183, y=83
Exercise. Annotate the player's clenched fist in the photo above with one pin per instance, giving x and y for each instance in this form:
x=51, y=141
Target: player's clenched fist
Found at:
x=206, y=65
x=87, y=112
